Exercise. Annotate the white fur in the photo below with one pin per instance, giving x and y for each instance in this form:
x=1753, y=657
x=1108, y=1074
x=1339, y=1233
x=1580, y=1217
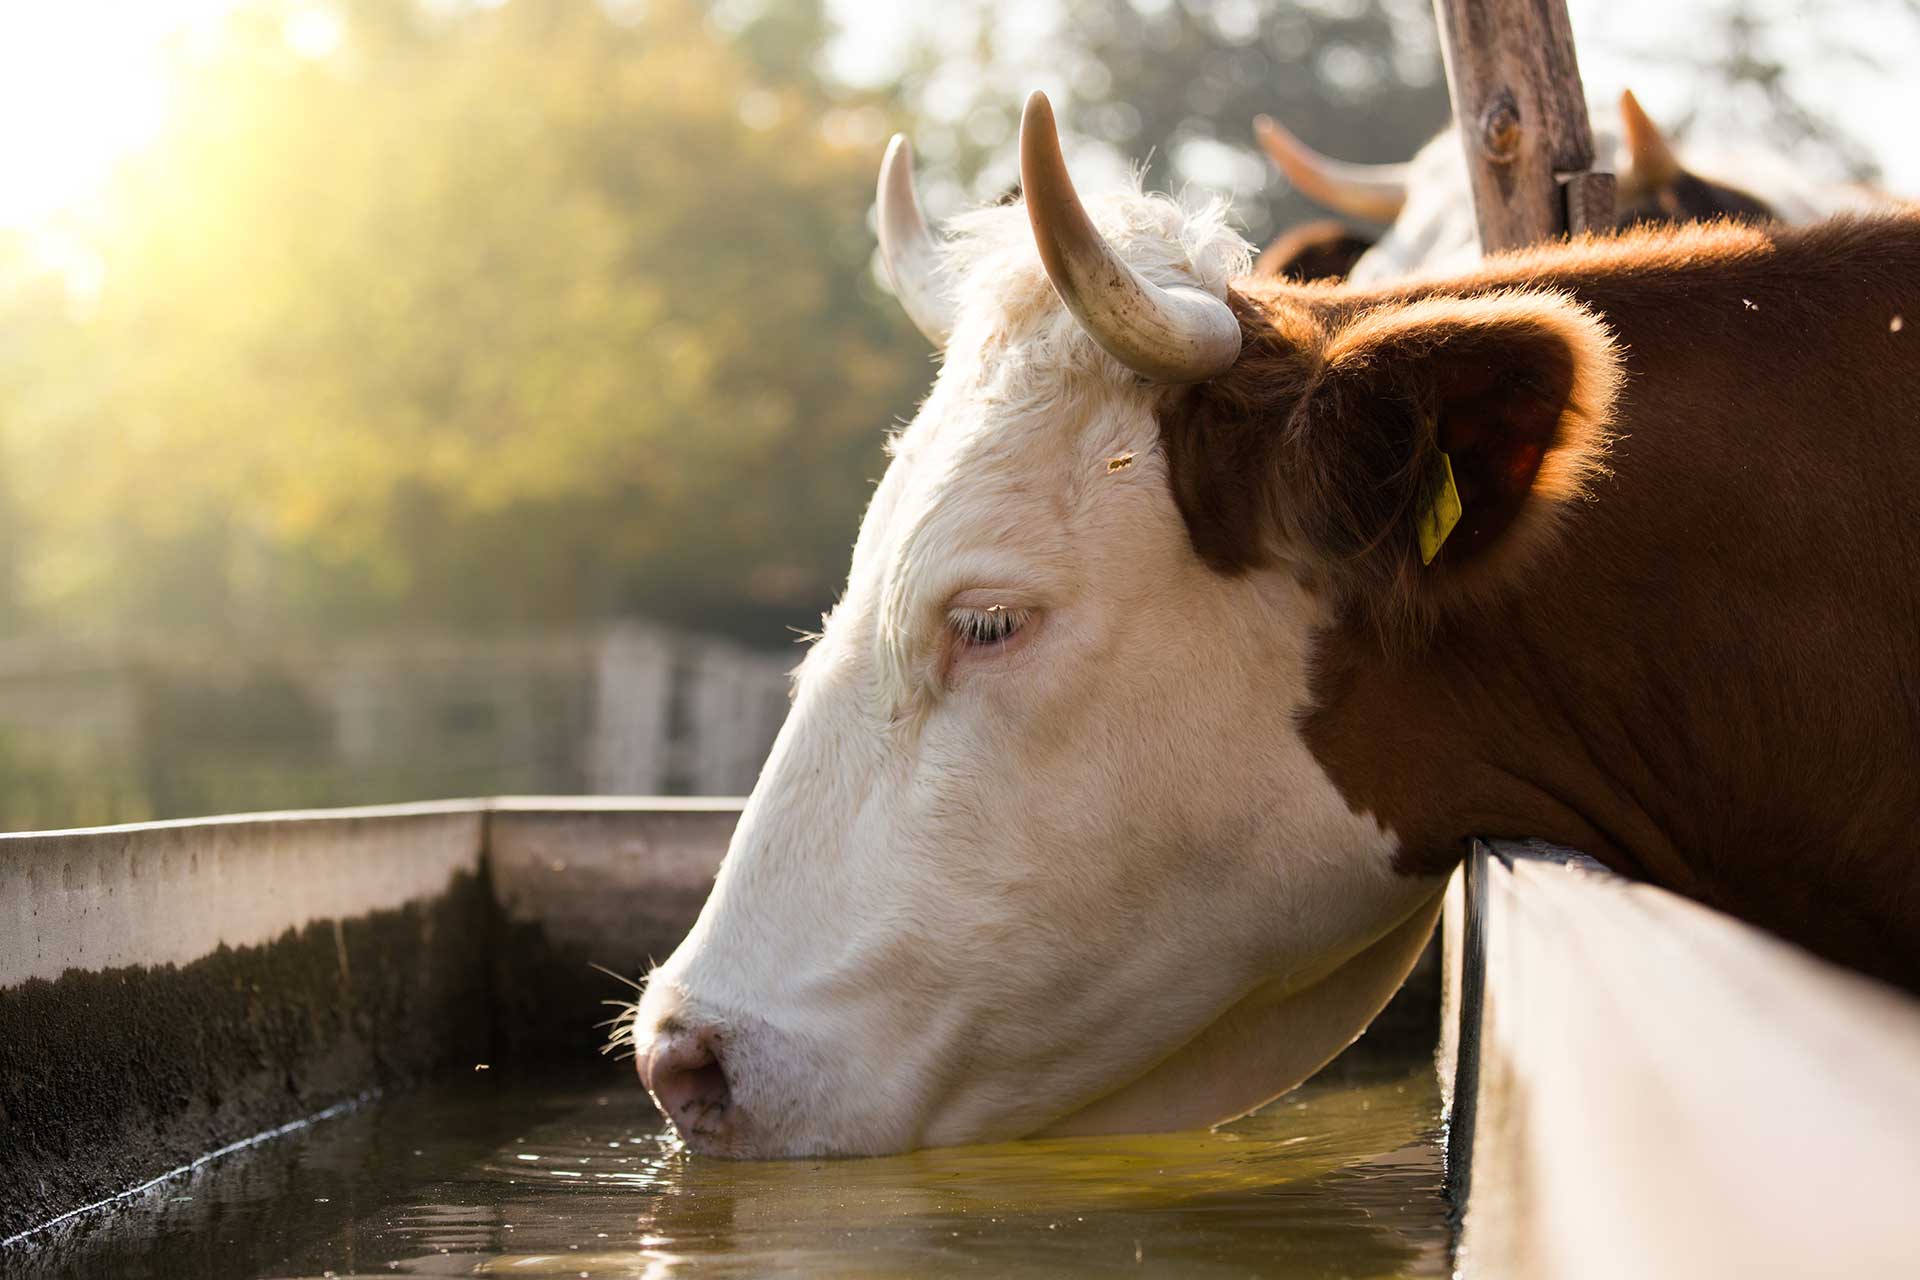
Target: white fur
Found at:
x=1104, y=865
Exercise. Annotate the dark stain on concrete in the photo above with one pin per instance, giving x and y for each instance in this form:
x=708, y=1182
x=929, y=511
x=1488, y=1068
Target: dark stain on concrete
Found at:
x=109, y=1078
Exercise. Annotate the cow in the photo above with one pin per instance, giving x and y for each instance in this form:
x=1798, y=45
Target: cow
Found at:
x=1200, y=619
x=1429, y=216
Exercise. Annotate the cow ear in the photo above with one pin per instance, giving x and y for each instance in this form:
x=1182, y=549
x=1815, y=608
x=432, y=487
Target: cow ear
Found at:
x=1445, y=438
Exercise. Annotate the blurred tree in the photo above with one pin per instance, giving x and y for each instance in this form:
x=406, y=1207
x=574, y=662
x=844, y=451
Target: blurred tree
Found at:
x=514, y=315
x=1175, y=84
x=490, y=314
x=782, y=39
x=1361, y=78
x=1779, y=71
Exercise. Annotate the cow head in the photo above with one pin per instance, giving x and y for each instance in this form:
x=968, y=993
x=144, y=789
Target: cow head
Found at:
x=1424, y=202
x=1043, y=844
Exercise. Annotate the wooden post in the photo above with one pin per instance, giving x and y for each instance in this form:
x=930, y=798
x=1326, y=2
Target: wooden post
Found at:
x=1522, y=118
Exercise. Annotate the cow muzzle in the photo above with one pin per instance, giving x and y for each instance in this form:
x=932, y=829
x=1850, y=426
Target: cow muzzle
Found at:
x=685, y=1069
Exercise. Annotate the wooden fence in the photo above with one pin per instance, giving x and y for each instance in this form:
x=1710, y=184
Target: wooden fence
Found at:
x=626, y=710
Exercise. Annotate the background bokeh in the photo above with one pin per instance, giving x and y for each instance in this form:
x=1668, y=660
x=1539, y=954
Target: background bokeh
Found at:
x=407, y=398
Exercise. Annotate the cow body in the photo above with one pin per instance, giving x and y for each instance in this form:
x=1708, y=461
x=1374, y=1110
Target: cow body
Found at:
x=1121, y=785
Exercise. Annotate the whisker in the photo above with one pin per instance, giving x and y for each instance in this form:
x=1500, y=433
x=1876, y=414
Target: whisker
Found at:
x=641, y=985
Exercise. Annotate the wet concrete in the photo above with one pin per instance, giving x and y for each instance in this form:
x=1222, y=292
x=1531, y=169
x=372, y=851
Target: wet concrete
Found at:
x=170, y=988
x=111, y=1077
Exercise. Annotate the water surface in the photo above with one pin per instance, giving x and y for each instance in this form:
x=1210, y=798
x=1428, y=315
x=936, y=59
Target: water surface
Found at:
x=494, y=1177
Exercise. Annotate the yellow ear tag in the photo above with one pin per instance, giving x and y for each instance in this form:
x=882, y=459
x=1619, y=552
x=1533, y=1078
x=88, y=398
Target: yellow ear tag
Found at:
x=1441, y=514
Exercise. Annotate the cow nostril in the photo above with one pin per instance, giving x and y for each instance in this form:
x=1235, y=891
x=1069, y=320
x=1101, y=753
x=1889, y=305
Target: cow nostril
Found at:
x=685, y=1075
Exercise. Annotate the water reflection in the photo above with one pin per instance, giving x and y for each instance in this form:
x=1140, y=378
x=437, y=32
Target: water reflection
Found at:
x=1340, y=1179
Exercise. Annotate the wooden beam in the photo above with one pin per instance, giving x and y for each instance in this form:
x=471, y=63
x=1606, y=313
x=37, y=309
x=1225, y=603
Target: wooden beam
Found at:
x=1522, y=120
x=1667, y=1093
x=1589, y=198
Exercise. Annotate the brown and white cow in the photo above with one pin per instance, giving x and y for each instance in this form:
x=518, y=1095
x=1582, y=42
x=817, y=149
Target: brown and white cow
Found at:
x=1119, y=789
x=1429, y=214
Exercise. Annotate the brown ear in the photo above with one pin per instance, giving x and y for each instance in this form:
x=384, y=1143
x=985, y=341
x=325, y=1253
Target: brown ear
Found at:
x=1656, y=188
x=1514, y=389
x=1651, y=163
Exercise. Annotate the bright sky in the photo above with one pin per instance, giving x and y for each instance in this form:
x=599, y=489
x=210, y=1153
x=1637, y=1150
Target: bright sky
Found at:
x=83, y=82
x=80, y=86
x=1876, y=106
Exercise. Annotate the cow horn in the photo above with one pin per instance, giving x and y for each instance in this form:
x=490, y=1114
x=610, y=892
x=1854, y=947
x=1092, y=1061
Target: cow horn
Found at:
x=1375, y=192
x=1177, y=334
x=907, y=248
x=1651, y=163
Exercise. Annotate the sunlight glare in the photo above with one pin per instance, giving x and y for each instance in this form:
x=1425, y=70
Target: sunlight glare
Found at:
x=82, y=84
x=312, y=32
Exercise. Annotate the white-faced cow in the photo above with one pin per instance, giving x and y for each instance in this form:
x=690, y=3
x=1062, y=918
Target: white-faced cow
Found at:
x=1119, y=789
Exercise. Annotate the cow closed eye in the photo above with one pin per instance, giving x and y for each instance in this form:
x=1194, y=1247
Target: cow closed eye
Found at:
x=987, y=629
x=984, y=628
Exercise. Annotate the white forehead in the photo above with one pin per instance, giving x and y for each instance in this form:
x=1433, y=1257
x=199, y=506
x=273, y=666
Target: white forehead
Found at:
x=1016, y=434
x=991, y=269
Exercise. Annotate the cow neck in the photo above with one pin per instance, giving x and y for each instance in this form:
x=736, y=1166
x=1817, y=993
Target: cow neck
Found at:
x=1707, y=682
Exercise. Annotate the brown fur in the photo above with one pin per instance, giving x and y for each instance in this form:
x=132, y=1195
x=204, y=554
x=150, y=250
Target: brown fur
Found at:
x=1691, y=648
x=1322, y=443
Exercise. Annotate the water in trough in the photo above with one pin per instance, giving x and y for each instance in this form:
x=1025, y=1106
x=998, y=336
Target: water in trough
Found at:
x=490, y=1176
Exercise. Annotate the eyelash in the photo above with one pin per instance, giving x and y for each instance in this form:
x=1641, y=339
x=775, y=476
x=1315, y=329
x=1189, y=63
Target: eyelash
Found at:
x=985, y=628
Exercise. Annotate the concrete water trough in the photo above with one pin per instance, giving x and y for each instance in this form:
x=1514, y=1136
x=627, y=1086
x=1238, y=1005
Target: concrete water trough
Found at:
x=170, y=989
x=1638, y=1086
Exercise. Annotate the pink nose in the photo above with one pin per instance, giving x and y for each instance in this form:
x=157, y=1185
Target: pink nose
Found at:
x=684, y=1073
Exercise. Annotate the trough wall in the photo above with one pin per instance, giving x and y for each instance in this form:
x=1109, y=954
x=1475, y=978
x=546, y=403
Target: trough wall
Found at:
x=170, y=988
x=1640, y=1086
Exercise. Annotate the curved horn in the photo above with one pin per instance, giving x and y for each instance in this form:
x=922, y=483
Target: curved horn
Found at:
x=1375, y=192
x=1651, y=163
x=907, y=248
x=1179, y=334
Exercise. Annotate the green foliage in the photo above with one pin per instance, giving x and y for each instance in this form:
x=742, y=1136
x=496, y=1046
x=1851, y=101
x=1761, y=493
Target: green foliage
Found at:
x=44, y=791
x=1176, y=83
x=512, y=316
x=1361, y=79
